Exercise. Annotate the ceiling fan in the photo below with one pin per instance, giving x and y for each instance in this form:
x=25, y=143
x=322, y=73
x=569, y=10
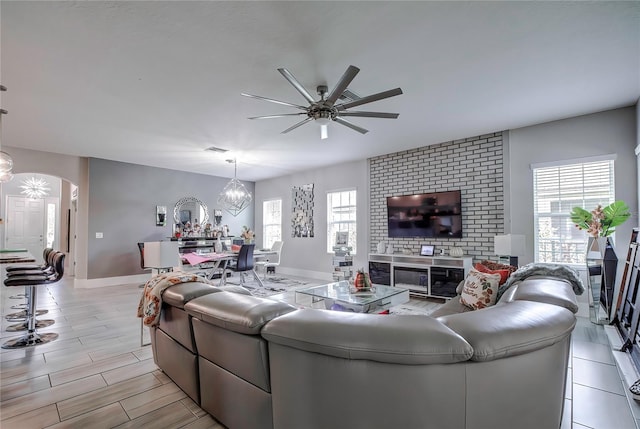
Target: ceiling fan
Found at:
x=326, y=110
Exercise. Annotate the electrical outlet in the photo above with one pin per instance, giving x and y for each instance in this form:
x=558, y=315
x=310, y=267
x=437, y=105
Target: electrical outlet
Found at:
x=99, y=235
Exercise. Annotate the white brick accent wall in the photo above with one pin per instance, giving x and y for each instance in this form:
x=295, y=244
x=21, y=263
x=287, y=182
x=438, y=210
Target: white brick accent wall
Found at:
x=473, y=165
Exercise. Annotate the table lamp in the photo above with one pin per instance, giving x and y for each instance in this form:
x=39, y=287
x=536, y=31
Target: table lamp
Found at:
x=508, y=247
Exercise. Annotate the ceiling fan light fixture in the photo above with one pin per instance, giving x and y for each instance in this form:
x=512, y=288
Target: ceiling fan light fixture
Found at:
x=326, y=110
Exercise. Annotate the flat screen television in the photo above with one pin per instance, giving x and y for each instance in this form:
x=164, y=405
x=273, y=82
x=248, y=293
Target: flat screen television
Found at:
x=434, y=215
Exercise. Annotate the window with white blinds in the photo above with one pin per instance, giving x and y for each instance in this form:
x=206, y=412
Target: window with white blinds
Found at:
x=556, y=190
x=271, y=222
x=341, y=216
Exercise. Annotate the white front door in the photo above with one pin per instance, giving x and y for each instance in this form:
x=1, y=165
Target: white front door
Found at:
x=25, y=225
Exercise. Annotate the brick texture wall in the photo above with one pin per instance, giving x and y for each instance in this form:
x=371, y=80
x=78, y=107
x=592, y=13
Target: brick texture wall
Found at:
x=473, y=165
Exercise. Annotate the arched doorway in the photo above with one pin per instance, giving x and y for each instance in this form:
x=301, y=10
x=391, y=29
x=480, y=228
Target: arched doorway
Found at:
x=34, y=222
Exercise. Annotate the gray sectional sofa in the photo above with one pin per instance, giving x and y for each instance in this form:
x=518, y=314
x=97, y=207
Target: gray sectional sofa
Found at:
x=258, y=363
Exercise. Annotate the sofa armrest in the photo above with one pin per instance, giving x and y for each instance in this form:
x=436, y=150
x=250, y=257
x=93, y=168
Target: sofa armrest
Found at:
x=512, y=329
x=548, y=290
x=409, y=340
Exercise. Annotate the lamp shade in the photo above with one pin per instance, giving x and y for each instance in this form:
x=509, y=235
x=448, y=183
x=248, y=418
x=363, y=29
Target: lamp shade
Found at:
x=509, y=245
x=161, y=254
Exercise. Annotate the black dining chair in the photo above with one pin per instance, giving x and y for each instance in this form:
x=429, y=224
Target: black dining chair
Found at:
x=244, y=261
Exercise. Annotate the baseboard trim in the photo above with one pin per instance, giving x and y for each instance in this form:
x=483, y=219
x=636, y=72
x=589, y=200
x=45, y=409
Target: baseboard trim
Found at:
x=110, y=281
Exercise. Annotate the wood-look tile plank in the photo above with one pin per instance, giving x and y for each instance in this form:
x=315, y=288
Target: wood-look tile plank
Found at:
x=38, y=418
x=174, y=415
x=15, y=375
x=119, y=374
x=162, y=377
x=205, y=422
x=105, y=417
x=8, y=391
x=23, y=404
x=193, y=407
x=152, y=400
x=81, y=371
x=108, y=394
x=144, y=354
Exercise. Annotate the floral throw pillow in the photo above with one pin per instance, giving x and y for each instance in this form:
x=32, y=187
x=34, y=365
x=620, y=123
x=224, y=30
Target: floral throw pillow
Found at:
x=480, y=289
x=504, y=274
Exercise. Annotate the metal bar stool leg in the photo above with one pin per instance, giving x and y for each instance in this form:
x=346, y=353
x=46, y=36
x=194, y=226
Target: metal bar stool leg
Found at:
x=31, y=338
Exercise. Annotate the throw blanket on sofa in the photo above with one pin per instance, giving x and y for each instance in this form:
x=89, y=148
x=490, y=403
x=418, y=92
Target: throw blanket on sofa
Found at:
x=151, y=300
x=541, y=269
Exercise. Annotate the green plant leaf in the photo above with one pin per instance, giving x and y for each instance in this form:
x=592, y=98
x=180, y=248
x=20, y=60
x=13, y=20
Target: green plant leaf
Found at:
x=580, y=217
x=615, y=214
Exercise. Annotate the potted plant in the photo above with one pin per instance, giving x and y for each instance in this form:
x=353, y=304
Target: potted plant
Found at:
x=601, y=222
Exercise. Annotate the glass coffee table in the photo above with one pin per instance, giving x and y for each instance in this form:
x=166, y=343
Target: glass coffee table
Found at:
x=341, y=296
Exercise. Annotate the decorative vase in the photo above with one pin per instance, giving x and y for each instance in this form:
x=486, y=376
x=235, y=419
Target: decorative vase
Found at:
x=382, y=247
x=362, y=281
x=596, y=247
x=456, y=252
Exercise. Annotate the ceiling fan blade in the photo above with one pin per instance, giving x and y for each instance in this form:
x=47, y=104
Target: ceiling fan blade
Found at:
x=370, y=98
x=293, y=127
x=293, y=81
x=342, y=84
x=277, y=116
x=273, y=101
x=350, y=125
x=324, y=132
x=370, y=114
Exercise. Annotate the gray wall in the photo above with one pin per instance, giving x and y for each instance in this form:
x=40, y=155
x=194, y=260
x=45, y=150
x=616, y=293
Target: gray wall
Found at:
x=122, y=205
x=610, y=132
x=308, y=256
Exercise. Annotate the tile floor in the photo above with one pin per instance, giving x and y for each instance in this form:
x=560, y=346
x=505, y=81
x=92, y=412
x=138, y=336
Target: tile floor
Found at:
x=97, y=374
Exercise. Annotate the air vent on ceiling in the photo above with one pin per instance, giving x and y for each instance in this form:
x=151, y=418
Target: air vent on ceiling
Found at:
x=217, y=149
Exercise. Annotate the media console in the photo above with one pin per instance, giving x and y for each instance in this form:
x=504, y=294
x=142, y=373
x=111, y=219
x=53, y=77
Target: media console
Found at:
x=432, y=276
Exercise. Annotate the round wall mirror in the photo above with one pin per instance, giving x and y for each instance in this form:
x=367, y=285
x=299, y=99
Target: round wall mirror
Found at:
x=190, y=209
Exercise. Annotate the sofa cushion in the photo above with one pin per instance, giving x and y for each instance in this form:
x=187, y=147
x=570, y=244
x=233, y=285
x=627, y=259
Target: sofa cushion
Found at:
x=245, y=314
x=452, y=306
x=178, y=295
x=480, y=289
x=403, y=339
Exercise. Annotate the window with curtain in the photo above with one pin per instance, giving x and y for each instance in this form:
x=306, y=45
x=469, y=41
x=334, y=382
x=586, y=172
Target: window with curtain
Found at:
x=556, y=190
x=341, y=216
x=271, y=222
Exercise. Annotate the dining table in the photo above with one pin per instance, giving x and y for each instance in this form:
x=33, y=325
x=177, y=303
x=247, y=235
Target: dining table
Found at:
x=220, y=260
x=10, y=256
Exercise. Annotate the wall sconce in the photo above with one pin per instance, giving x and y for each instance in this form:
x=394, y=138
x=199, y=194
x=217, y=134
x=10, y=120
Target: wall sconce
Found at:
x=508, y=247
x=161, y=215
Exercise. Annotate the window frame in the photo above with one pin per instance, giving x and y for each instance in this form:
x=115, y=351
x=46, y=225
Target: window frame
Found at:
x=352, y=223
x=268, y=224
x=567, y=245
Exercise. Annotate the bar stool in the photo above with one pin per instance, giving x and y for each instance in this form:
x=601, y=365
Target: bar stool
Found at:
x=44, y=270
x=32, y=337
x=25, y=267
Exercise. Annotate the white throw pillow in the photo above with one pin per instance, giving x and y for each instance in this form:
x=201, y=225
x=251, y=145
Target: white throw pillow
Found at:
x=480, y=289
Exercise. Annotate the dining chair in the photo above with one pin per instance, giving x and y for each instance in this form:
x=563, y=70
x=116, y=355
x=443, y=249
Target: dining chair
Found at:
x=272, y=260
x=244, y=262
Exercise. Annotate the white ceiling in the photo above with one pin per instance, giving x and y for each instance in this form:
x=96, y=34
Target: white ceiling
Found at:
x=156, y=83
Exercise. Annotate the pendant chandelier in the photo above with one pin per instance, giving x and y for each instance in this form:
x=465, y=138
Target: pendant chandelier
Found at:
x=35, y=188
x=6, y=163
x=234, y=198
